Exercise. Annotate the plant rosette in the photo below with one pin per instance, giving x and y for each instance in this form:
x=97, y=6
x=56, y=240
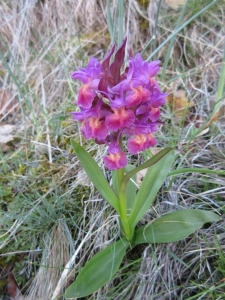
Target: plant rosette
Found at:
x=117, y=107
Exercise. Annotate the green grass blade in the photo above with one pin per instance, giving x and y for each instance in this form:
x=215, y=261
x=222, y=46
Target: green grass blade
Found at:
x=180, y=28
x=168, y=54
x=177, y=258
x=109, y=20
x=196, y=170
x=213, y=288
x=150, y=186
x=155, y=27
x=121, y=20
x=221, y=85
x=221, y=89
x=148, y=44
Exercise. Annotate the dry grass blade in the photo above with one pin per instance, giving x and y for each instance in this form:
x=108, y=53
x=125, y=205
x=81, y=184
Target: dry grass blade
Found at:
x=55, y=256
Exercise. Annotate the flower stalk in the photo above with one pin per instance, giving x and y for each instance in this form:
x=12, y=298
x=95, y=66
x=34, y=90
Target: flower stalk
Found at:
x=125, y=227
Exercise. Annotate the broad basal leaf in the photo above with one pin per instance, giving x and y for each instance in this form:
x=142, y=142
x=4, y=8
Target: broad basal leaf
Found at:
x=96, y=176
x=151, y=184
x=98, y=270
x=174, y=226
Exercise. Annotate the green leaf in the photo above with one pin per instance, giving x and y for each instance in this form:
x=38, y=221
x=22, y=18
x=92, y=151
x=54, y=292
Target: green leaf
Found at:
x=130, y=189
x=151, y=184
x=145, y=165
x=115, y=182
x=174, y=226
x=96, y=176
x=98, y=271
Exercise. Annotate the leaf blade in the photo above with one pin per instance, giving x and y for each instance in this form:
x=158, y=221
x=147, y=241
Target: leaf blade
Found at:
x=150, y=186
x=96, y=176
x=153, y=160
x=98, y=270
x=130, y=190
x=174, y=226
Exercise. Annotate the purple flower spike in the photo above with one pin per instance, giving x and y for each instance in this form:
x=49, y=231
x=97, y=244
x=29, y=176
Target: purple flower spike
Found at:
x=115, y=103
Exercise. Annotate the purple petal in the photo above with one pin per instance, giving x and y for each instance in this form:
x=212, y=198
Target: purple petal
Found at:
x=153, y=68
x=114, y=148
x=86, y=96
x=105, y=63
x=82, y=76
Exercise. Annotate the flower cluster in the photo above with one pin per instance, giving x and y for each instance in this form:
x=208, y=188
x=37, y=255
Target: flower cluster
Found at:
x=114, y=103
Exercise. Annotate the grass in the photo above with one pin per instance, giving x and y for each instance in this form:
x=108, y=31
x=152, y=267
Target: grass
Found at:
x=49, y=214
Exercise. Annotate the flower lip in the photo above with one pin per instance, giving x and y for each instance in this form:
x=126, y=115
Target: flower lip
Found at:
x=94, y=128
x=120, y=118
x=137, y=96
x=115, y=161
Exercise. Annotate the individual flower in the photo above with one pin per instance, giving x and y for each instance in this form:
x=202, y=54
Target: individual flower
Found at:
x=149, y=112
x=140, y=143
x=94, y=128
x=119, y=119
x=86, y=95
x=144, y=70
x=93, y=120
x=90, y=78
x=116, y=159
x=137, y=96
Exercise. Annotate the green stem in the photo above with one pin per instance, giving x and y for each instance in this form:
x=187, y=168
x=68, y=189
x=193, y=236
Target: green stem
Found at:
x=122, y=201
x=123, y=207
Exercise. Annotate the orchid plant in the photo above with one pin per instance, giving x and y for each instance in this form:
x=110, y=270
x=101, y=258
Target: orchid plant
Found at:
x=121, y=109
